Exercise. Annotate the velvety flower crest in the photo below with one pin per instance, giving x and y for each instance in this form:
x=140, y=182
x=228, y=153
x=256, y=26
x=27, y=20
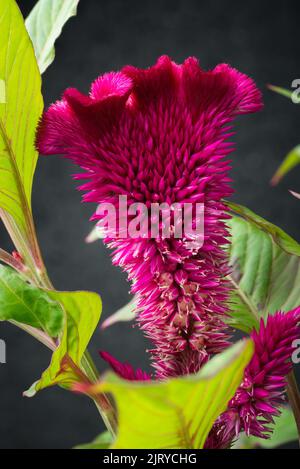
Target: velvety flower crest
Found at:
x=160, y=135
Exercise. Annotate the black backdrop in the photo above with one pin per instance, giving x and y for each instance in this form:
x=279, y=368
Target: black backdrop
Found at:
x=261, y=39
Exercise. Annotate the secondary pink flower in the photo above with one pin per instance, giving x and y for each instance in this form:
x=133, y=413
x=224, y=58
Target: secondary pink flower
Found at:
x=125, y=370
x=261, y=393
x=160, y=135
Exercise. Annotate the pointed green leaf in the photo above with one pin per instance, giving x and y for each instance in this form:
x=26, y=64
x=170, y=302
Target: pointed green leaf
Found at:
x=93, y=235
x=124, y=314
x=295, y=194
x=27, y=304
x=179, y=412
x=2, y=92
x=285, y=431
x=291, y=160
x=45, y=24
x=82, y=314
x=102, y=441
x=282, y=91
x=265, y=269
x=19, y=114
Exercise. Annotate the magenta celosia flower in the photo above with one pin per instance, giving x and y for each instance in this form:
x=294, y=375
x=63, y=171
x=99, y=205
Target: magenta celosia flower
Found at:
x=261, y=393
x=125, y=370
x=160, y=136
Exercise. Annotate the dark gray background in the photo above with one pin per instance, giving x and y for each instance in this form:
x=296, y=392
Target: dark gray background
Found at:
x=261, y=39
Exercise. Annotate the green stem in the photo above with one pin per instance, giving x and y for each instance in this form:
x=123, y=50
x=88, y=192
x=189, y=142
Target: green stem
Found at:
x=25, y=240
x=89, y=366
x=37, y=334
x=17, y=237
x=294, y=398
x=36, y=271
x=102, y=402
x=108, y=415
x=11, y=261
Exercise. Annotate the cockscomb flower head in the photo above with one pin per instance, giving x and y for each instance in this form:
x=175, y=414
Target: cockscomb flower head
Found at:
x=160, y=136
x=262, y=392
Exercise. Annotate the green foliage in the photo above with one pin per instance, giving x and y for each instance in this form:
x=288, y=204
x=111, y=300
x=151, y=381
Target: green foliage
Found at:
x=291, y=160
x=2, y=92
x=265, y=269
x=19, y=115
x=82, y=314
x=179, y=412
x=26, y=304
x=126, y=313
x=282, y=91
x=44, y=25
x=70, y=318
x=102, y=441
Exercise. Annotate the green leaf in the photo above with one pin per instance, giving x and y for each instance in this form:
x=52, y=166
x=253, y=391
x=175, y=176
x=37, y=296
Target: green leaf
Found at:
x=179, y=412
x=2, y=92
x=124, y=314
x=291, y=160
x=82, y=314
x=282, y=239
x=102, y=441
x=93, y=235
x=285, y=431
x=45, y=24
x=282, y=91
x=295, y=194
x=19, y=115
x=27, y=304
x=265, y=269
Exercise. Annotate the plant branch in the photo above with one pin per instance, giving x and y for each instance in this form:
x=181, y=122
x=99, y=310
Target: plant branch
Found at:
x=11, y=261
x=37, y=274
x=30, y=235
x=23, y=235
x=37, y=334
x=16, y=264
x=294, y=398
x=88, y=374
x=244, y=298
x=103, y=403
x=20, y=243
